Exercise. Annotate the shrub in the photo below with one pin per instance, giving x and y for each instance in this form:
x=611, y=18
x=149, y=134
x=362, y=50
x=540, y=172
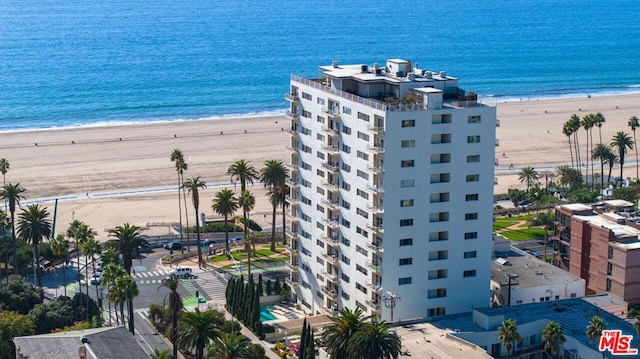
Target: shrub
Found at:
x=252, y=224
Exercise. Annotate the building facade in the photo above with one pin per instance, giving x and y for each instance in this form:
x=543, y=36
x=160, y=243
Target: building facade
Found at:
x=390, y=192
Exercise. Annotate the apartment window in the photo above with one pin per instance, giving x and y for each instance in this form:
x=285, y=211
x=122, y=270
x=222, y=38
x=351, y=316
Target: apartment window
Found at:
x=320, y=101
x=408, y=123
x=471, y=235
x=346, y=129
x=344, y=259
x=433, y=312
x=408, y=143
x=405, y=261
x=346, y=186
x=361, y=269
x=608, y=285
x=406, y=203
x=346, y=223
x=610, y=253
x=437, y=293
x=345, y=295
x=321, y=120
x=320, y=244
x=470, y=216
x=406, y=222
x=346, y=110
x=407, y=163
x=319, y=259
x=440, y=158
x=404, y=281
x=306, y=114
x=406, y=183
x=438, y=255
x=438, y=236
x=320, y=137
x=362, y=213
x=438, y=217
x=345, y=241
x=471, y=197
x=362, y=232
x=306, y=149
x=363, y=155
x=306, y=96
x=473, y=158
x=363, y=174
x=362, y=193
x=473, y=139
x=470, y=254
x=609, y=268
x=438, y=274
x=361, y=250
x=319, y=189
x=473, y=178
x=473, y=119
x=306, y=166
x=345, y=204
x=406, y=242
x=346, y=167
x=363, y=116
x=440, y=177
x=361, y=288
x=469, y=273
x=439, y=197
x=363, y=136
x=346, y=148
x=345, y=278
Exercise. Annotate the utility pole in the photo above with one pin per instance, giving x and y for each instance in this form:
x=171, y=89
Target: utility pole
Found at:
x=510, y=276
x=390, y=300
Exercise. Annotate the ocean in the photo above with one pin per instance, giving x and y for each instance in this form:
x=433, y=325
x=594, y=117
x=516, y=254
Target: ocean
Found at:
x=68, y=64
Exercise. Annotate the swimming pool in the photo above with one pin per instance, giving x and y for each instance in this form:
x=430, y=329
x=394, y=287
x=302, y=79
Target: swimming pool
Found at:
x=265, y=313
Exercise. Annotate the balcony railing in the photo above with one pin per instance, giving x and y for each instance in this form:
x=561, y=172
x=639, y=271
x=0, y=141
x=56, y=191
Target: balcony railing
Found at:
x=376, y=189
x=375, y=169
x=330, y=166
x=377, y=229
x=373, y=247
x=375, y=268
x=291, y=148
x=330, y=186
x=331, y=113
x=292, y=235
x=291, y=283
x=330, y=131
x=374, y=129
x=331, y=241
x=331, y=204
x=375, y=149
x=330, y=258
x=293, y=115
x=292, y=167
x=331, y=277
x=376, y=288
x=375, y=209
x=291, y=200
x=291, y=97
x=292, y=132
x=375, y=305
x=291, y=250
x=334, y=150
x=291, y=183
x=292, y=266
x=331, y=293
x=331, y=223
x=292, y=218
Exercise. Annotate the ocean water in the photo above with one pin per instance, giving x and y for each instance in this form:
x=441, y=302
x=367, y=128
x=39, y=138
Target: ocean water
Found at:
x=67, y=63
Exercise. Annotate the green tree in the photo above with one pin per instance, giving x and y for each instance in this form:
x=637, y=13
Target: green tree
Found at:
x=634, y=123
x=546, y=220
x=569, y=177
x=343, y=326
x=622, y=142
x=34, y=225
x=529, y=176
x=193, y=185
x=376, y=341
x=552, y=336
x=246, y=202
x=91, y=248
x=60, y=247
x=272, y=175
x=157, y=354
x=110, y=273
x=575, y=123
x=127, y=240
x=4, y=168
x=175, y=305
x=588, y=121
x=601, y=152
x=508, y=334
x=594, y=329
x=178, y=159
x=18, y=296
x=124, y=289
x=568, y=131
x=225, y=204
x=515, y=196
x=13, y=194
x=6, y=244
x=278, y=197
x=197, y=329
x=12, y=325
x=230, y=346
x=243, y=171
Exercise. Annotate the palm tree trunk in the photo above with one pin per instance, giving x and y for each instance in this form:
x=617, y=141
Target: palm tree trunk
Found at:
x=130, y=310
x=226, y=233
x=174, y=326
x=15, y=240
x=577, y=144
x=180, y=213
x=110, y=309
x=591, y=135
x=186, y=212
x=121, y=311
x=64, y=278
x=570, y=151
x=621, y=166
x=635, y=146
x=78, y=261
x=273, y=229
x=198, y=239
x=247, y=244
x=602, y=172
x=284, y=223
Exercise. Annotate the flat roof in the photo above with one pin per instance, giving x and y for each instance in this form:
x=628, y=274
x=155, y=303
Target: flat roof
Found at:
x=424, y=340
x=530, y=271
x=576, y=207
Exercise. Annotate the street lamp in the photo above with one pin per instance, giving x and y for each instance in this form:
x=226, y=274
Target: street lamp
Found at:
x=390, y=300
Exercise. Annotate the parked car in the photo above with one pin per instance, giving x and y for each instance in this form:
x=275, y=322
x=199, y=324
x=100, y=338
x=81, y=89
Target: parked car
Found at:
x=96, y=279
x=184, y=272
x=173, y=245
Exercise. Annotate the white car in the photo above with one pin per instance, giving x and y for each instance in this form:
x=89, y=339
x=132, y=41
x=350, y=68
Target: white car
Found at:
x=185, y=272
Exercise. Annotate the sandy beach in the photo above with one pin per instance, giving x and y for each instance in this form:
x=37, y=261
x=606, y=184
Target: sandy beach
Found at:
x=55, y=163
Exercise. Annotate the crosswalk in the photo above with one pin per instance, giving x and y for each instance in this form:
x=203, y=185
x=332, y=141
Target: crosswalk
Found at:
x=212, y=287
x=147, y=274
x=113, y=318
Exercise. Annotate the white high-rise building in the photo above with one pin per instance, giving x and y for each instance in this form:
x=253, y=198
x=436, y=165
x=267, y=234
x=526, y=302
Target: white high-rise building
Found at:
x=391, y=192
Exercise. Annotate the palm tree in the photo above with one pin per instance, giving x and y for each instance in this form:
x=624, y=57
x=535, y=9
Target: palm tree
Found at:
x=601, y=152
x=633, y=123
x=127, y=241
x=545, y=220
x=247, y=201
x=278, y=197
x=110, y=273
x=599, y=120
x=375, y=341
x=60, y=248
x=225, y=204
x=343, y=326
x=83, y=233
x=73, y=232
x=230, y=346
x=273, y=174
x=612, y=159
x=34, y=226
x=7, y=243
x=528, y=175
x=12, y=193
x=197, y=329
x=552, y=337
x=508, y=334
x=575, y=125
x=4, y=168
x=127, y=289
x=515, y=196
x=622, y=142
x=193, y=185
x=568, y=131
x=588, y=121
x=178, y=159
x=157, y=354
x=91, y=248
x=175, y=305
x=243, y=171
x=594, y=329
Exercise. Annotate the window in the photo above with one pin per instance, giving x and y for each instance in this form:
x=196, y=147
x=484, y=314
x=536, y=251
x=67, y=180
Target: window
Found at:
x=361, y=250
x=471, y=197
x=320, y=101
x=405, y=261
x=346, y=148
x=344, y=259
x=438, y=274
x=438, y=236
x=320, y=119
x=406, y=242
x=361, y=288
x=473, y=139
x=362, y=232
x=404, y=281
x=473, y=158
x=437, y=293
x=346, y=186
x=362, y=193
x=438, y=217
x=306, y=114
x=346, y=167
x=344, y=295
x=346, y=223
x=345, y=204
x=408, y=123
x=406, y=203
x=439, y=197
x=345, y=278
x=346, y=129
x=473, y=119
x=363, y=156
x=363, y=136
x=306, y=96
x=440, y=177
x=438, y=255
x=345, y=241
x=406, y=222
x=610, y=253
x=406, y=163
x=469, y=273
x=473, y=178
x=406, y=183
x=408, y=143
x=361, y=269
x=471, y=235
x=470, y=216
x=320, y=137
x=306, y=149
x=320, y=155
x=432, y=312
x=363, y=174
x=363, y=116
x=470, y=254
x=346, y=110
x=362, y=213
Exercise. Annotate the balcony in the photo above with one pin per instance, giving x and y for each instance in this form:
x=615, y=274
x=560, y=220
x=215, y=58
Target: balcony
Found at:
x=373, y=304
x=331, y=223
x=293, y=132
x=330, y=258
x=291, y=148
x=374, y=169
x=292, y=184
x=376, y=130
x=292, y=115
x=330, y=204
x=333, y=150
x=292, y=267
x=331, y=241
x=291, y=283
x=376, y=249
x=291, y=250
x=376, y=288
x=377, y=229
x=375, y=188
x=331, y=293
x=332, y=277
x=292, y=201
x=331, y=113
x=292, y=98
x=375, y=149
x=374, y=209
x=292, y=235
x=375, y=268
x=330, y=187
x=330, y=131
x=292, y=167
x=292, y=218
x=330, y=166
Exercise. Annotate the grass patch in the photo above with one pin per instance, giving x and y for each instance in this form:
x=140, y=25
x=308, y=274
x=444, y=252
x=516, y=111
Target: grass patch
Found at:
x=258, y=262
x=524, y=234
x=503, y=224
